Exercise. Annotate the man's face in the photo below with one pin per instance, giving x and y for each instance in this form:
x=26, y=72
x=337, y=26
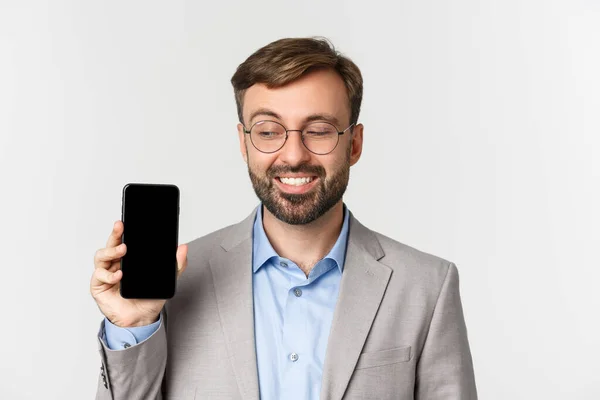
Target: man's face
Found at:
x=275, y=176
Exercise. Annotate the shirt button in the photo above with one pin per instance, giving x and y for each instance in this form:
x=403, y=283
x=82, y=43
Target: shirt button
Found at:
x=294, y=357
x=283, y=264
x=298, y=292
x=126, y=345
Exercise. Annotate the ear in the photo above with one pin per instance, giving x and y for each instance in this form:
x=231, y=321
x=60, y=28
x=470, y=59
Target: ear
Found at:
x=356, y=142
x=242, y=137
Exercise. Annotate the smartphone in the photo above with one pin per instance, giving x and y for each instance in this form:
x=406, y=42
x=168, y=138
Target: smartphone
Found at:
x=150, y=215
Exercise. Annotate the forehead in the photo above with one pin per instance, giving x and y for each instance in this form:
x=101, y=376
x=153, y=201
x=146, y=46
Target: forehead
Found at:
x=318, y=92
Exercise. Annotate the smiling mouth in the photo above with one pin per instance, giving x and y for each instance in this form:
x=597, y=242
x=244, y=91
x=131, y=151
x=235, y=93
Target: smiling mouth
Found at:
x=296, y=181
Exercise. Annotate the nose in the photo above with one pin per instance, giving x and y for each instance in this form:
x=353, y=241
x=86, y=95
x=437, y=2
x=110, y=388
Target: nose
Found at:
x=294, y=152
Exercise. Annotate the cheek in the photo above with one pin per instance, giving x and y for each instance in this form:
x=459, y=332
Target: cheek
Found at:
x=259, y=162
x=335, y=164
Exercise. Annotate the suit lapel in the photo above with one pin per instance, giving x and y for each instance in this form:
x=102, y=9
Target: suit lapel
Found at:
x=363, y=284
x=231, y=268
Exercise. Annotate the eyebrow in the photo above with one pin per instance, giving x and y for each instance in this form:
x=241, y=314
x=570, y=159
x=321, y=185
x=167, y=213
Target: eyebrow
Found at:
x=312, y=117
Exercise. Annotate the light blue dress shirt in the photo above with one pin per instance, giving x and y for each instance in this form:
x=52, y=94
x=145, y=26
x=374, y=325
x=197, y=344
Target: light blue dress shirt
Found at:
x=117, y=338
x=292, y=315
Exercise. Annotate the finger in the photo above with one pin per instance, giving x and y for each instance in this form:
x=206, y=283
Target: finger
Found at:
x=116, y=235
x=104, y=257
x=102, y=276
x=181, y=259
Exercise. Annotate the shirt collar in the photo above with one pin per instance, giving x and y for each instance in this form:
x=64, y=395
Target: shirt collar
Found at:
x=263, y=251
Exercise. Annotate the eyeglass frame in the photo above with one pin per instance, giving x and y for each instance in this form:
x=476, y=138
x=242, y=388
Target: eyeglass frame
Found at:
x=248, y=131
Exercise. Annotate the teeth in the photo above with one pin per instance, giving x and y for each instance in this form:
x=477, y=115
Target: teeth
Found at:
x=296, y=181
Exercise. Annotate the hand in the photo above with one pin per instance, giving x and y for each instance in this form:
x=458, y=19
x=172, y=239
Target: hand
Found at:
x=104, y=286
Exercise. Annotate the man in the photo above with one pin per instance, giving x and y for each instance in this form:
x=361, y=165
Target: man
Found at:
x=299, y=300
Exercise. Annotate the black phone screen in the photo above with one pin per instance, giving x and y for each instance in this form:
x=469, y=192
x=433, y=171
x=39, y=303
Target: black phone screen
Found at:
x=150, y=218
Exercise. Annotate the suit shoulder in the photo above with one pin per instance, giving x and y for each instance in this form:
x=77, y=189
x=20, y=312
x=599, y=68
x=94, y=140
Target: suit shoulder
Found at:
x=417, y=263
x=203, y=244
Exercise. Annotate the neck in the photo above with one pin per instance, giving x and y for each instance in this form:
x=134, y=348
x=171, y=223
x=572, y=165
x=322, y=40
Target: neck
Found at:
x=305, y=244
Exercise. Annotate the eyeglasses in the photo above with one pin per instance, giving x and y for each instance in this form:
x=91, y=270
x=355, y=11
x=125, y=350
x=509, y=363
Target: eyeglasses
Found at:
x=318, y=137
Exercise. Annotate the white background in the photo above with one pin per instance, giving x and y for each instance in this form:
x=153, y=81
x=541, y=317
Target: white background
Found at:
x=481, y=146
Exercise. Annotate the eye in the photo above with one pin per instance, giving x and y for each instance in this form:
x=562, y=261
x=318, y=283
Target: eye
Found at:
x=318, y=133
x=320, y=129
x=268, y=134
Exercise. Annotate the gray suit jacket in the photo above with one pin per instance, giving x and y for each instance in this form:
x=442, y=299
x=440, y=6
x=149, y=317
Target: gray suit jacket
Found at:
x=398, y=330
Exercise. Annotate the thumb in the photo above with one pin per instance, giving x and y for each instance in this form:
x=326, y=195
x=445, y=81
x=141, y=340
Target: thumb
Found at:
x=181, y=259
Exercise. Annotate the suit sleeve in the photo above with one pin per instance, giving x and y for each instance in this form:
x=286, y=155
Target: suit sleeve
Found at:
x=136, y=372
x=445, y=367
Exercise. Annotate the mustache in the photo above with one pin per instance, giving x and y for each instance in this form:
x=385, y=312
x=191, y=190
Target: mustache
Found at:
x=278, y=170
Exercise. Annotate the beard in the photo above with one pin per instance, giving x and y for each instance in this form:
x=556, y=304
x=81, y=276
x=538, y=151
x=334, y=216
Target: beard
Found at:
x=301, y=208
